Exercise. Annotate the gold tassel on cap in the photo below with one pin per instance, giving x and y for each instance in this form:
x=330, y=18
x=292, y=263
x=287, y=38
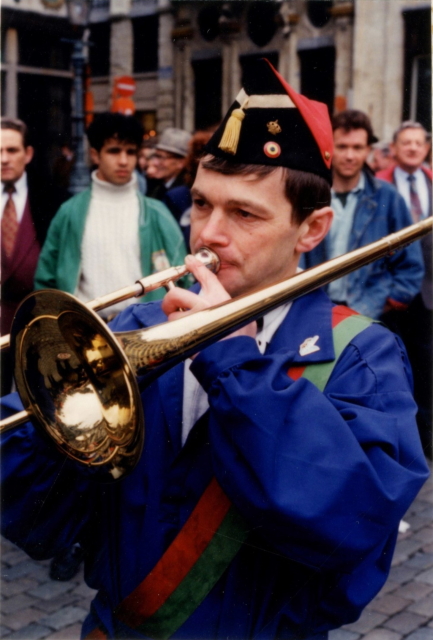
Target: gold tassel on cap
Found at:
x=230, y=138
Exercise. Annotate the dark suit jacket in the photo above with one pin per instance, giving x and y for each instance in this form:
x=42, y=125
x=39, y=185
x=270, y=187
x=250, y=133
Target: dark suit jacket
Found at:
x=18, y=271
x=160, y=191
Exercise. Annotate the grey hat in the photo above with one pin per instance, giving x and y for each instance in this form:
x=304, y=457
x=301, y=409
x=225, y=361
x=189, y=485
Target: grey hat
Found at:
x=174, y=141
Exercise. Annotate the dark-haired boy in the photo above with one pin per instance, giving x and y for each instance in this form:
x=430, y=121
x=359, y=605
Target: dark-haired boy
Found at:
x=109, y=235
x=365, y=210
x=277, y=464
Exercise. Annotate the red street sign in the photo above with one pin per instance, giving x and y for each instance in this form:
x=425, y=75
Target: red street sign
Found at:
x=124, y=86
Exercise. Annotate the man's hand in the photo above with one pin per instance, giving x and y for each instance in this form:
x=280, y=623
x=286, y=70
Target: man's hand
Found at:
x=212, y=293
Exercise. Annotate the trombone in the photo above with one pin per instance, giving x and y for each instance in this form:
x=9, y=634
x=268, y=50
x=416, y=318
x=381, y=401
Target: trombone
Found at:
x=143, y=286
x=77, y=379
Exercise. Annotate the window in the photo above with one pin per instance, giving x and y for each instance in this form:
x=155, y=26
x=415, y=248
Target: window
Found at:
x=417, y=102
x=318, y=12
x=145, y=43
x=99, y=52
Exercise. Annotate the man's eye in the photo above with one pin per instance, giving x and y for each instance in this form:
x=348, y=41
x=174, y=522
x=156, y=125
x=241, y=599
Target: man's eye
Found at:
x=245, y=214
x=198, y=202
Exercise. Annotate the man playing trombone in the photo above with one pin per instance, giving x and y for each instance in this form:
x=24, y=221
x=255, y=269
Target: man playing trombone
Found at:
x=277, y=463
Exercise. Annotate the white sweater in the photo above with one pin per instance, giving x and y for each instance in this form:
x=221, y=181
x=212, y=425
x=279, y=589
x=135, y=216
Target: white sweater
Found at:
x=110, y=251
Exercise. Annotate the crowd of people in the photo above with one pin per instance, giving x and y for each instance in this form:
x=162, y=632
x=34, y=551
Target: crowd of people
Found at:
x=243, y=510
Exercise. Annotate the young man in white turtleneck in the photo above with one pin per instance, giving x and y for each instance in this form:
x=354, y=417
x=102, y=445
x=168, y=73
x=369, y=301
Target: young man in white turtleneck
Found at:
x=110, y=235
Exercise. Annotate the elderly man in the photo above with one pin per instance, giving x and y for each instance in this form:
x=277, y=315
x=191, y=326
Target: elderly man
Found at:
x=279, y=461
x=169, y=161
x=413, y=180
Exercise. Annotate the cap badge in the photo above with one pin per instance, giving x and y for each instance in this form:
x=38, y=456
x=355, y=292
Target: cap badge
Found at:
x=274, y=127
x=272, y=149
x=327, y=155
x=309, y=346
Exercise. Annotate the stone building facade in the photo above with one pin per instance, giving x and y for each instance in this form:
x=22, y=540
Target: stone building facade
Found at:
x=187, y=57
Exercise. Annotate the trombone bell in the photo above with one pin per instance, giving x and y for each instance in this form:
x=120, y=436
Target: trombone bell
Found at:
x=74, y=378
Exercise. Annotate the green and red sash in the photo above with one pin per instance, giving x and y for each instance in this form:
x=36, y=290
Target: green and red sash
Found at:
x=346, y=324
x=213, y=533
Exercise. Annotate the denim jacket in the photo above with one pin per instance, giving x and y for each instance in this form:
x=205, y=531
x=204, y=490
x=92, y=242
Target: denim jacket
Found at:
x=380, y=211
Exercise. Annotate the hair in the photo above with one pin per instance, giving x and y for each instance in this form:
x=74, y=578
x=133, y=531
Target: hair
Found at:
x=195, y=152
x=114, y=125
x=353, y=119
x=409, y=124
x=16, y=125
x=306, y=192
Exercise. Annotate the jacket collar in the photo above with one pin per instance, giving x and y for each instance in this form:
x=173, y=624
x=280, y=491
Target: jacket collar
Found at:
x=308, y=317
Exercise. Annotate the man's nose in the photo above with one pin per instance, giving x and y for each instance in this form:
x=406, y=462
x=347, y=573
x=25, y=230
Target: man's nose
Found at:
x=123, y=157
x=215, y=229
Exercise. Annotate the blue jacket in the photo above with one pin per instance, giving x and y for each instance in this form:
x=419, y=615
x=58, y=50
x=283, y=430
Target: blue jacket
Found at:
x=322, y=478
x=380, y=211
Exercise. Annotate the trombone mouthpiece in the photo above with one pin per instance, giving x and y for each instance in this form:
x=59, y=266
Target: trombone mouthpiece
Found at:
x=209, y=258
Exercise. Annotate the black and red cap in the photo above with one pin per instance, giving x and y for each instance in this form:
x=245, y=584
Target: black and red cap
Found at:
x=271, y=124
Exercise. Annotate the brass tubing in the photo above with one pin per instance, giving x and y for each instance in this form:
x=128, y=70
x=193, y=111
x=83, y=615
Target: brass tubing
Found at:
x=162, y=346
x=143, y=286
x=100, y=367
x=13, y=421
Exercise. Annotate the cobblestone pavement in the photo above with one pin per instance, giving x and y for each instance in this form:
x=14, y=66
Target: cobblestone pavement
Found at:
x=34, y=607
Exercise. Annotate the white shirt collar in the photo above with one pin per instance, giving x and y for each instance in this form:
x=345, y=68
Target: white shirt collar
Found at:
x=399, y=172
x=169, y=183
x=20, y=185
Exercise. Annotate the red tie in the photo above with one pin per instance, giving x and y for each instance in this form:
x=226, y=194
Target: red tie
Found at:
x=9, y=223
x=415, y=204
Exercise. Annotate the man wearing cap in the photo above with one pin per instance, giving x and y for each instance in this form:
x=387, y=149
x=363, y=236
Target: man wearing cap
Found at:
x=275, y=471
x=170, y=159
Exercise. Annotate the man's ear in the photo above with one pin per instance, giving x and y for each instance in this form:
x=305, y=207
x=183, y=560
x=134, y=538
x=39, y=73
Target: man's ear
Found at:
x=29, y=154
x=94, y=156
x=314, y=228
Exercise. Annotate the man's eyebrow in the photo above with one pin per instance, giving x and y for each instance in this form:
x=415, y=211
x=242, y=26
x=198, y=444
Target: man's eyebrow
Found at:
x=249, y=205
x=239, y=204
x=197, y=193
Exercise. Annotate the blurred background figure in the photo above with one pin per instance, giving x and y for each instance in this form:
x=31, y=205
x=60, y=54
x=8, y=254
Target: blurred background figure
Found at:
x=61, y=172
x=146, y=152
x=169, y=161
x=380, y=157
x=26, y=205
x=178, y=199
x=413, y=180
x=63, y=165
x=365, y=210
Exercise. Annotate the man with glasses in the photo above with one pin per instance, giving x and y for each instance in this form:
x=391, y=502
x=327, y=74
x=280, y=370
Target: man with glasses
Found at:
x=170, y=160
